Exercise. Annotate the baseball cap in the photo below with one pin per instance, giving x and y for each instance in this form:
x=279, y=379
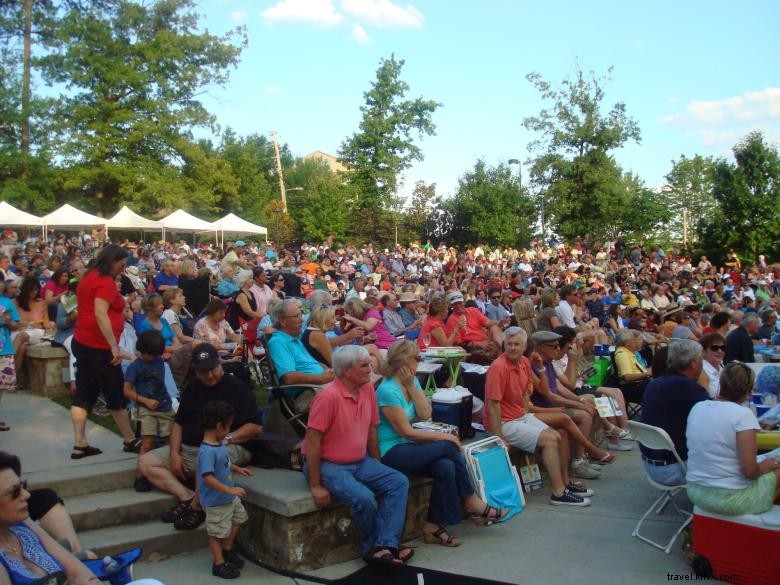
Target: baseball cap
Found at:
x=454, y=297
x=205, y=357
x=239, y=244
x=545, y=336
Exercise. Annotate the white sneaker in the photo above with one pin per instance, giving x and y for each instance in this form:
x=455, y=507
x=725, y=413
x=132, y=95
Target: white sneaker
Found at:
x=619, y=446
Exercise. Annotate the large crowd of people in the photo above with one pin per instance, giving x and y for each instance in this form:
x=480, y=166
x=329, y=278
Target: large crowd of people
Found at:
x=169, y=327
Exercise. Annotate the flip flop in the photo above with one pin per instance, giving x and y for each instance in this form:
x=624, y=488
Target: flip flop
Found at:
x=4, y=427
x=86, y=451
x=608, y=458
x=404, y=553
x=385, y=559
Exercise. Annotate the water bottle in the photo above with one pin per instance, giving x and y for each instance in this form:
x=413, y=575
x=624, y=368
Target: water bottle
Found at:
x=110, y=565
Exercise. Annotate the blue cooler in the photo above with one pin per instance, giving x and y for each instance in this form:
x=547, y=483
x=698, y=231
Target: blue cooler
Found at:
x=453, y=407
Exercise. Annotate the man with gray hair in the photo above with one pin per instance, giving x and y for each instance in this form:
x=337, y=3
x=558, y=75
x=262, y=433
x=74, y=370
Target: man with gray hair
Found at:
x=341, y=453
x=739, y=343
x=667, y=402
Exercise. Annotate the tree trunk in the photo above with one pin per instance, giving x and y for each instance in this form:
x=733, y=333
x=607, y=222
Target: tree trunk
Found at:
x=26, y=91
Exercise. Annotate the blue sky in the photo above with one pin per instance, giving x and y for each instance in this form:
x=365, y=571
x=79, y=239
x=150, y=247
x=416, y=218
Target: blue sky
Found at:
x=697, y=76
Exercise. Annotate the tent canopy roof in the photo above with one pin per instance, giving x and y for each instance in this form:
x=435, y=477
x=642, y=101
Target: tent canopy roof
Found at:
x=69, y=216
x=125, y=218
x=10, y=216
x=181, y=221
x=232, y=224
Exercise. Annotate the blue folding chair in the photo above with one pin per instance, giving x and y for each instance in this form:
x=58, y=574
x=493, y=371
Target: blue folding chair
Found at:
x=493, y=475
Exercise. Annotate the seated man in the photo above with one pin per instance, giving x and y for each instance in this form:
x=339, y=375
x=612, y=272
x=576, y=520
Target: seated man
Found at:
x=342, y=458
x=293, y=364
x=479, y=335
x=508, y=414
x=667, y=402
x=167, y=467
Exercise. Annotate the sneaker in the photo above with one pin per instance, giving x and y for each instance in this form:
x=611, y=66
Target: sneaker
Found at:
x=233, y=558
x=618, y=446
x=579, y=490
x=568, y=499
x=584, y=471
x=225, y=571
x=142, y=485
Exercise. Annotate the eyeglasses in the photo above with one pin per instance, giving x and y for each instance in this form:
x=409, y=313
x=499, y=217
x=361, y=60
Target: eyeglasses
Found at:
x=717, y=347
x=296, y=316
x=552, y=344
x=496, y=298
x=16, y=491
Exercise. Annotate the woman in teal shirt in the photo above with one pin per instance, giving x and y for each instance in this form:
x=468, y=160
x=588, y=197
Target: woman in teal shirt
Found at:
x=426, y=453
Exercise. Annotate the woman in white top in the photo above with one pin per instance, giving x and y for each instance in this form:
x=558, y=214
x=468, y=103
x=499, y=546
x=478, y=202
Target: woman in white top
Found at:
x=723, y=474
x=174, y=301
x=714, y=345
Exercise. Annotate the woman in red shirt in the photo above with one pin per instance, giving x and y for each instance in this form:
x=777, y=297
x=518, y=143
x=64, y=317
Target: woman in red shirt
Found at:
x=435, y=327
x=96, y=349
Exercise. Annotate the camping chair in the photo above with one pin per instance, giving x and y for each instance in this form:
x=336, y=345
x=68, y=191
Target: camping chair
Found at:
x=289, y=404
x=493, y=476
x=633, y=392
x=657, y=438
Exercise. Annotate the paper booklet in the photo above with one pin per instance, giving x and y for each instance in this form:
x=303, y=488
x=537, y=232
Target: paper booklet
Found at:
x=608, y=406
x=69, y=302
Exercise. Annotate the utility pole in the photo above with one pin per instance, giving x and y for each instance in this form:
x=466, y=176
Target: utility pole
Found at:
x=282, y=189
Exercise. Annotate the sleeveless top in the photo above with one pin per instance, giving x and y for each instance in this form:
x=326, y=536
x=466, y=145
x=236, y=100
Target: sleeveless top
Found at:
x=32, y=550
x=313, y=351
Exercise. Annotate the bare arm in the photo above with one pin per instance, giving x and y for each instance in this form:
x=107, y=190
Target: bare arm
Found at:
x=76, y=572
x=322, y=345
x=321, y=495
x=367, y=325
x=494, y=416
x=211, y=480
x=246, y=432
x=373, y=443
x=243, y=302
x=301, y=378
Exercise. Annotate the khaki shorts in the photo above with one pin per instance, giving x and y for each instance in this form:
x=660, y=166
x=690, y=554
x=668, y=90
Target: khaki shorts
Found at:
x=524, y=432
x=239, y=455
x=221, y=519
x=155, y=422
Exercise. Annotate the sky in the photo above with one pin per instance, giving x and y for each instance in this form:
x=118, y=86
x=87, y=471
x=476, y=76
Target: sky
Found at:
x=696, y=76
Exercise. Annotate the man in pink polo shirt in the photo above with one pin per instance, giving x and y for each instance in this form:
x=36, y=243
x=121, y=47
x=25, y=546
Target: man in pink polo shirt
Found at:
x=342, y=458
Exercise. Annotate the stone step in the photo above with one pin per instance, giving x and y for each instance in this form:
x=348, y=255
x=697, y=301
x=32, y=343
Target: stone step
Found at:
x=86, y=478
x=153, y=536
x=117, y=507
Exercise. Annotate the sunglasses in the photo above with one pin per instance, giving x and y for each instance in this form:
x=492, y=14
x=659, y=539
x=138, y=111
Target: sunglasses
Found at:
x=718, y=347
x=16, y=491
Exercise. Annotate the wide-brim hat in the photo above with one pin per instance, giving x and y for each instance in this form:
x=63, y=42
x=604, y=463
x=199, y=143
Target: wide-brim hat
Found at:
x=407, y=297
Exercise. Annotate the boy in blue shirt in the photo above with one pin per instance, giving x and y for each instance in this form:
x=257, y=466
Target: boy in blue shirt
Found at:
x=219, y=496
x=145, y=384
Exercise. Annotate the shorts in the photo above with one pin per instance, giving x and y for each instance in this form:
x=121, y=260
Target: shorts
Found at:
x=756, y=498
x=586, y=389
x=34, y=334
x=40, y=502
x=155, y=422
x=524, y=432
x=221, y=519
x=95, y=375
x=239, y=455
x=7, y=373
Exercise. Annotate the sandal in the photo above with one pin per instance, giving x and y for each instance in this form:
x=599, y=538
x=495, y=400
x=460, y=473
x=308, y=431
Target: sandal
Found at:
x=190, y=519
x=442, y=537
x=133, y=446
x=617, y=433
x=171, y=515
x=85, y=451
x=225, y=571
x=382, y=556
x=4, y=427
x=608, y=458
x=488, y=516
x=404, y=553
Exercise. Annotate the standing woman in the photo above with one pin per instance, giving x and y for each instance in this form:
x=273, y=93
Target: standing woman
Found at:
x=96, y=349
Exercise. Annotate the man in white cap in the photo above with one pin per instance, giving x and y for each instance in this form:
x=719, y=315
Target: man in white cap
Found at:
x=233, y=258
x=481, y=336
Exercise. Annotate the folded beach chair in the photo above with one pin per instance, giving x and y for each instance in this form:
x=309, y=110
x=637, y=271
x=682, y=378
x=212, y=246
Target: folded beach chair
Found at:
x=493, y=475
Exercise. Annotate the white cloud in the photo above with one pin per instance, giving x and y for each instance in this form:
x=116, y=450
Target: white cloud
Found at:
x=238, y=16
x=384, y=13
x=320, y=12
x=272, y=90
x=360, y=35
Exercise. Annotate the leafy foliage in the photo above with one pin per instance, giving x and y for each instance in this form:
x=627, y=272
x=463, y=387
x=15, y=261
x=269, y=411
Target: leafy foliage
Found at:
x=689, y=195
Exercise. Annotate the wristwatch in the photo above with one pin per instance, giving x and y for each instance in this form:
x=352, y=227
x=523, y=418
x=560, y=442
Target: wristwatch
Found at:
x=228, y=438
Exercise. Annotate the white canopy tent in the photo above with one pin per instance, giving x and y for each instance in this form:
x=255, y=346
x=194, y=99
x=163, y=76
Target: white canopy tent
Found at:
x=231, y=224
x=68, y=216
x=181, y=221
x=10, y=216
x=126, y=219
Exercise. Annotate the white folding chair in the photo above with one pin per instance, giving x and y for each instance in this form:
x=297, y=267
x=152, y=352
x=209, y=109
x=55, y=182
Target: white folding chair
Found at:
x=657, y=438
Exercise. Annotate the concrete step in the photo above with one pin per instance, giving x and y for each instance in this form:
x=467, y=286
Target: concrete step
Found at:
x=81, y=479
x=116, y=507
x=153, y=536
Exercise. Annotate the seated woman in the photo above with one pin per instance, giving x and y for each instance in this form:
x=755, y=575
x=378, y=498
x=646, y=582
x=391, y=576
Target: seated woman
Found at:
x=195, y=286
x=227, y=287
x=434, y=329
x=56, y=286
x=358, y=313
x=723, y=474
x=431, y=454
x=28, y=552
x=213, y=328
x=153, y=309
x=174, y=302
x=33, y=314
x=321, y=320
x=714, y=345
x=629, y=370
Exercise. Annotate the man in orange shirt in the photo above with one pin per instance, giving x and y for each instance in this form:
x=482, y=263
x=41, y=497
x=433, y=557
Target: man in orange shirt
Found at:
x=508, y=415
x=481, y=336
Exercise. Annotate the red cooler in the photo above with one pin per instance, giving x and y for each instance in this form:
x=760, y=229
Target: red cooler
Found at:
x=738, y=549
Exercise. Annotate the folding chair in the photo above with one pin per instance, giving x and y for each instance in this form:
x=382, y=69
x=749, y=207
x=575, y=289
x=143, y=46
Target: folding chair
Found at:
x=633, y=392
x=493, y=476
x=657, y=438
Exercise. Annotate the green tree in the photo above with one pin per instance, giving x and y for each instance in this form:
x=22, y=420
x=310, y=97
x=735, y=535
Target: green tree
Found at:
x=575, y=176
x=689, y=195
x=419, y=217
x=132, y=75
x=748, y=196
x=490, y=207
x=384, y=146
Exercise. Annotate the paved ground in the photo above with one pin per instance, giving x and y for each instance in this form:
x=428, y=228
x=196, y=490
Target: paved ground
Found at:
x=544, y=545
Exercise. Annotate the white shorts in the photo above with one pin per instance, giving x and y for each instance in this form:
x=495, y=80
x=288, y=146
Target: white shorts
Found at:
x=524, y=432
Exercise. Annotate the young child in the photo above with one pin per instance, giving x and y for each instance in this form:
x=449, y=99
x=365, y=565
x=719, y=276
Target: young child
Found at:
x=219, y=496
x=145, y=384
